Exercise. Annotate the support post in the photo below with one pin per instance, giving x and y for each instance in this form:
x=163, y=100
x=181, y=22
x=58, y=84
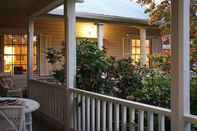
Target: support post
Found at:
x=30, y=48
x=100, y=36
x=70, y=59
x=143, y=54
x=1, y=53
x=180, y=91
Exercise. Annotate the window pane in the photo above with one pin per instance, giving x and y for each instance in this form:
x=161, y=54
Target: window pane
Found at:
x=138, y=43
x=8, y=68
x=8, y=59
x=16, y=59
x=24, y=50
x=8, y=39
x=17, y=49
x=133, y=50
x=23, y=59
x=138, y=50
x=8, y=50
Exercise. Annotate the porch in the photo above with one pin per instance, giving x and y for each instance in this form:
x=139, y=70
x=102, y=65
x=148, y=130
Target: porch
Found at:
x=76, y=109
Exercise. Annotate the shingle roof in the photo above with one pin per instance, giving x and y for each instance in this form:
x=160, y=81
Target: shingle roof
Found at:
x=115, y=8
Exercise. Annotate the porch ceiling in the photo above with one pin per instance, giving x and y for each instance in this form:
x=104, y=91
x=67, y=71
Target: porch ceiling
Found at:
x=22, y=7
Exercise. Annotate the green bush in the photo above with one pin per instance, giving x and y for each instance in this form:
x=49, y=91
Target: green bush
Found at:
x=92, y=65
x=98, y=73
x=193, y=96
x=155, y=89
x=123, y=77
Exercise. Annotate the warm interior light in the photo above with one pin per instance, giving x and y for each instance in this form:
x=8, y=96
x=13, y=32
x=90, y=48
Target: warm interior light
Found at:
x=135, y=49
x=86, y=30
x=8, y=59
x=34, y=39
x=10, y=51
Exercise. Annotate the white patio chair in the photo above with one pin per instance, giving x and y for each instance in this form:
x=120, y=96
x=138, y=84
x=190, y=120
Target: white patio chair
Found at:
x=12, y=118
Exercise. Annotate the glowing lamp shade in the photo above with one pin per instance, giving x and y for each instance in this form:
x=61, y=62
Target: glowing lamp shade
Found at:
x=86, y=30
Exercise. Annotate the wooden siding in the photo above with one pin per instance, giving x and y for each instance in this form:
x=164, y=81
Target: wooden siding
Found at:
x=54, y=29
x=114, y=35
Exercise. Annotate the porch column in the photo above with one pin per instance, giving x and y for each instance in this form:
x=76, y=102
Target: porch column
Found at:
x=180, y=93
x=1, y=54
x=100, y=36
x=70, y=58
x=30, y=49
x=143, y=54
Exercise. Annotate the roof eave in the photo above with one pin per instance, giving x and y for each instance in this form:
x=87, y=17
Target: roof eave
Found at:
x=103, y=17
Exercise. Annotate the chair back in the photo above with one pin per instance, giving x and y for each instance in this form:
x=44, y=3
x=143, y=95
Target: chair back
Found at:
x=12, y=118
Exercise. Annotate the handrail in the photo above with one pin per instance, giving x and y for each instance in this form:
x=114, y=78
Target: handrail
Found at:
x=137, y=105
x=191, y=119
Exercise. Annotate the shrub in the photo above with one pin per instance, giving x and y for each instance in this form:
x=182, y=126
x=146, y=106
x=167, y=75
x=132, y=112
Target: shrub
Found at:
x=155, y=89
x=98, y=73
x=193, y=96
x=124, y=78
x=92, y=64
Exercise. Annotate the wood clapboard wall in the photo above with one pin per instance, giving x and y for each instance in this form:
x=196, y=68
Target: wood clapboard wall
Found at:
x=53, y=28
x=113, y=35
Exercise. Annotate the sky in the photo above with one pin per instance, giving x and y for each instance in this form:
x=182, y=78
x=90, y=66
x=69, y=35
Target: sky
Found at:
x=120, y=8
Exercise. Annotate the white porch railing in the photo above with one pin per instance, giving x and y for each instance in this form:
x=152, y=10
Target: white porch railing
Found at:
x=51, y=98
x=96, y=112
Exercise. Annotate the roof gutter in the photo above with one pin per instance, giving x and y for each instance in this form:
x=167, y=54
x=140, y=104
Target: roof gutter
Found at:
x=111, y=18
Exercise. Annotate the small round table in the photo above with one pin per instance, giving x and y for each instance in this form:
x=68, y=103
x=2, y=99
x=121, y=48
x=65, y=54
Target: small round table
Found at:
x=30, y=106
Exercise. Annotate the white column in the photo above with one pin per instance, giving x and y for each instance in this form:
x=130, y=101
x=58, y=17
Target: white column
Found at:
x=143, y=54
x=180, y=93
x=100, y=36
x=70, y=59
x=30, y=48
x=70, y=38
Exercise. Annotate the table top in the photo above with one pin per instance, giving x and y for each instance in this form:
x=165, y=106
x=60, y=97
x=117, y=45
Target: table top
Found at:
x=30, y=105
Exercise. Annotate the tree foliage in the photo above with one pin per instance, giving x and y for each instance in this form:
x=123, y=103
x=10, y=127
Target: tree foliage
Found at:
x=160, y=14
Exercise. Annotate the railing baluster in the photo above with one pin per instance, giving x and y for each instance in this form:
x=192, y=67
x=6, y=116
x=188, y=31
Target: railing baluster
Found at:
x=88, y=114
x=104, y=116
x=93, y=114
x=83, y=114
x=161, y=122
x=117, y=117
x=75, y=110
x=124, y=118
x=79, y=112
x=110, y=116
x=150, y=121
x=98, y=116
x=141, y=121
x=132, y=119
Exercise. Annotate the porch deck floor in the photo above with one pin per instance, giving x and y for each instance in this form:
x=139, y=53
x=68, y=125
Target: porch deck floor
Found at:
x=39, y=125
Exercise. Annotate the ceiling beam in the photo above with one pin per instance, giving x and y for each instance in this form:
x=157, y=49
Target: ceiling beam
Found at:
x=49, y=7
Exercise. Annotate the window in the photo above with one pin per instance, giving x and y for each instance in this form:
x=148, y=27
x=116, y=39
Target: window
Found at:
x=15, y=54
x=135, y=50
